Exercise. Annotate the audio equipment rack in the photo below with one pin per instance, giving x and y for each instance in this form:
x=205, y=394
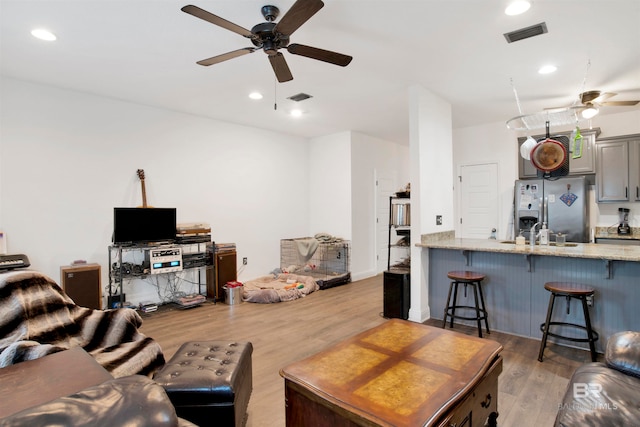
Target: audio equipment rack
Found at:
x=170, y=255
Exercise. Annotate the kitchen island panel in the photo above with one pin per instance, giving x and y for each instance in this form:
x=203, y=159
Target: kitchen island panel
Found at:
x=506, y=288
x=517, y=301
x=614, y=304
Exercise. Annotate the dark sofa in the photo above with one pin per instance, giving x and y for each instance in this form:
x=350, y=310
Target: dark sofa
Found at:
x=133, y=401
x=605, y=394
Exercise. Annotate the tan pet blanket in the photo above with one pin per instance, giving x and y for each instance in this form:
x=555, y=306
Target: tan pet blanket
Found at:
x=284, y=287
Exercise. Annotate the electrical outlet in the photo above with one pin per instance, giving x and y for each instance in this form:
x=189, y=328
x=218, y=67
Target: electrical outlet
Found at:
x=244, y=261
x=438, y=219
x=590, y=300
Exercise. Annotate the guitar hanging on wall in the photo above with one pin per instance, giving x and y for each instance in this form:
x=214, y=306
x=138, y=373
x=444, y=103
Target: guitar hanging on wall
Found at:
x=144, y=190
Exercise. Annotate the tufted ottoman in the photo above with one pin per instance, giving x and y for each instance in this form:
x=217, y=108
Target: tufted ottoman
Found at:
x=209, y=382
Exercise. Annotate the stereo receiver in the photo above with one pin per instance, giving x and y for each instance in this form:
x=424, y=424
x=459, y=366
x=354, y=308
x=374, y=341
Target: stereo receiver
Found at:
x=164, y=259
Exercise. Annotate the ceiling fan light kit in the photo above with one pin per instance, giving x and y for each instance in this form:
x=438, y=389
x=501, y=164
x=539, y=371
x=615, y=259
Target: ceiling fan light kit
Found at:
x=590, y=112
x=271, y=37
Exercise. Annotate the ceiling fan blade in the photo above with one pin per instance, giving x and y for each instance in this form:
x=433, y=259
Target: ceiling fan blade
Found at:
x=589, y=96
x=299, y=13
x=618, y=103
x=595, y=96
x=210, y=17
x=226, y=56
x=280, y=67
x=603, y=96
x=320, y=54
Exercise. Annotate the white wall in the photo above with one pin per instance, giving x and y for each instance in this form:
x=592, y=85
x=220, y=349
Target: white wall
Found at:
x=342, y=190
x=69, y=158
x=371, y=156
x=330, y=185
x=495, y=143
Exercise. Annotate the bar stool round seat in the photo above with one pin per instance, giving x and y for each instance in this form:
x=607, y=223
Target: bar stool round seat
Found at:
x=478, y=310
x=569, y=290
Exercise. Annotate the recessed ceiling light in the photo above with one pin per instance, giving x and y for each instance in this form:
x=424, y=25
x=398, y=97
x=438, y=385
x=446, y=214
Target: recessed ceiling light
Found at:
x=255, y=95
x=42, y=34
x=547, y=69
x=517, y=7
x=296, y=113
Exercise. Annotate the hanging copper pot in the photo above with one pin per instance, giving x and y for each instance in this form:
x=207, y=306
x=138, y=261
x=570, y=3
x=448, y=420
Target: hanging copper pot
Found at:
x=548, y=155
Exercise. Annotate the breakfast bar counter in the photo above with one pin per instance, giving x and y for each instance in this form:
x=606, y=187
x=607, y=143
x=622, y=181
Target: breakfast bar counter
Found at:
x=514, y=288
x=570, y=250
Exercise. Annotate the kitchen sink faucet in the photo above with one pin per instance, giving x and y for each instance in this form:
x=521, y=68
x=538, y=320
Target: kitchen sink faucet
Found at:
x=532, y=234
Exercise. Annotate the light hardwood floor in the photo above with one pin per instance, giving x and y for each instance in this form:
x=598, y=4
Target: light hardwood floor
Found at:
x=529, y=391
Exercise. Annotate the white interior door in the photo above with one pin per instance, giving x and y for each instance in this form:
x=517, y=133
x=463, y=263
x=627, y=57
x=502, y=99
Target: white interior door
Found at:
x=478, y=200
x=385, y=187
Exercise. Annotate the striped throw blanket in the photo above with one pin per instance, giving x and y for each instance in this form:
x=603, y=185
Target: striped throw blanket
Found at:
x=38, y=318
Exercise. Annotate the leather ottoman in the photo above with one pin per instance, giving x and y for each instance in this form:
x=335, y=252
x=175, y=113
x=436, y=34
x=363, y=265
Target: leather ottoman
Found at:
x=209, y=382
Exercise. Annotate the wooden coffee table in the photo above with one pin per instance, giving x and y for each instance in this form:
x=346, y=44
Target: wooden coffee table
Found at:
x=34, y=382
x=397, y=374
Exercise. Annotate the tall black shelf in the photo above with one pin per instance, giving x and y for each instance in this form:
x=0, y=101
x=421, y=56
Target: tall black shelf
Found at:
x=399, y=226
x=397, y=283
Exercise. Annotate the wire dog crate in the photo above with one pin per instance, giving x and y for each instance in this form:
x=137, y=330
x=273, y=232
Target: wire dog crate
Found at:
x=329, y=265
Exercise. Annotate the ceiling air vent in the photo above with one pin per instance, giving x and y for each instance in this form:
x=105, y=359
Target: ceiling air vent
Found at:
x=299, y=97
x=525, y=33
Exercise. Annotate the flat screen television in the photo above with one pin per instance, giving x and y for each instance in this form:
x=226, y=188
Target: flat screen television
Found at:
x=143, y=225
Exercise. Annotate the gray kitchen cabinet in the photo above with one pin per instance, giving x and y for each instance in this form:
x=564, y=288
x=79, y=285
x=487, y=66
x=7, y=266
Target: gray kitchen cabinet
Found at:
x=634, y=169
x=618, y=169
x=583, y=165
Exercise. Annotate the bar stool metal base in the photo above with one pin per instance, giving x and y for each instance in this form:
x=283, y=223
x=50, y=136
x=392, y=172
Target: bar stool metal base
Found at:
x=568, y=290
x=466, y=278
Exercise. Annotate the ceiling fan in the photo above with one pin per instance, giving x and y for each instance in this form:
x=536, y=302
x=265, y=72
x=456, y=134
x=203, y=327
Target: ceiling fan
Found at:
x=271, y=37
x=594, y=99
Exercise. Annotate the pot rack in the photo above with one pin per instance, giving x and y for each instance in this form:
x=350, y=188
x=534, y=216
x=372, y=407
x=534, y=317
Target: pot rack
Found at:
x=557, y=117
x=526, y=122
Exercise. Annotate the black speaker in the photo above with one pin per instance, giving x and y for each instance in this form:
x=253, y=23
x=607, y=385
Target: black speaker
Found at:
x=397, y=295
x=82, y=284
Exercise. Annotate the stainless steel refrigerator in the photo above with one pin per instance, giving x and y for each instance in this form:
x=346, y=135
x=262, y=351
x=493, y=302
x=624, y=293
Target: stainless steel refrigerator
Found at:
x=561, y=202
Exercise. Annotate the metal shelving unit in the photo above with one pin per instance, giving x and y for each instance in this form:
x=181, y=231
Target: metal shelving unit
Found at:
x=130, y=263
x=400, y=231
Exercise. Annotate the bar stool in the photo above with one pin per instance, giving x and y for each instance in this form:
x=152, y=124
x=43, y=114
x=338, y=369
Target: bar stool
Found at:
x=466, y=278
x=569, y=290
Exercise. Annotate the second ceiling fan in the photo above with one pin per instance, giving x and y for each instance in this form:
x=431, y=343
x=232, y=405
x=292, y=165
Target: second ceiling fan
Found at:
x=592, y=101
x=271, y=37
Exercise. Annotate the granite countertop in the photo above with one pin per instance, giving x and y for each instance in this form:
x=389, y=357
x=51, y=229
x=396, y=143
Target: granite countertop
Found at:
x=580, y=250
x=612, y=233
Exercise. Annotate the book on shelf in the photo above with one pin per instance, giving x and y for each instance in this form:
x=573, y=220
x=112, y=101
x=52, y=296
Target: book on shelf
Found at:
x=148, y=307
